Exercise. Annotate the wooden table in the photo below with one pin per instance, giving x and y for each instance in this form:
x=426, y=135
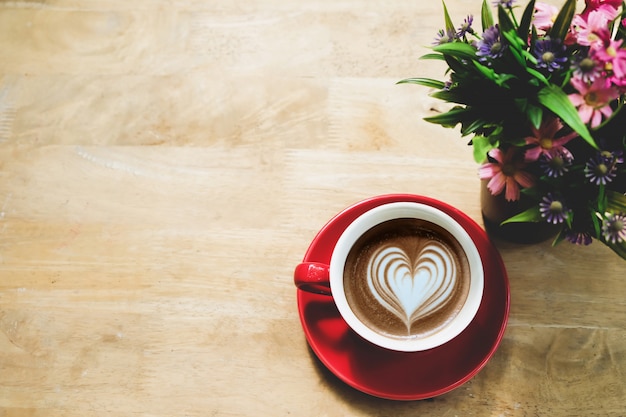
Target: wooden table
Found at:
x=164, y=165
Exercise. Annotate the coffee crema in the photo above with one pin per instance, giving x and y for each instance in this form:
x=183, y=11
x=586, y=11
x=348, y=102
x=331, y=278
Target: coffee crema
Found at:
x=406, y=278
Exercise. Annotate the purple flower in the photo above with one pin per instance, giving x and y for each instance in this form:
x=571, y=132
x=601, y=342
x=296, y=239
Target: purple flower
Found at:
x=555, y=163
x=444, y=36
x=601, y=169
x=552, y=209
x=578, y=238
x=550, y=54
x=504, y=3
x=587, y=69
x=614, y=228
x=491, y=45
x=466, y=27
x=618, y=156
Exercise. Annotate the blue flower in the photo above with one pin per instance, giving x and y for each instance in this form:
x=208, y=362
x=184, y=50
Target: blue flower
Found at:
x=550, y=54
x=491, y=46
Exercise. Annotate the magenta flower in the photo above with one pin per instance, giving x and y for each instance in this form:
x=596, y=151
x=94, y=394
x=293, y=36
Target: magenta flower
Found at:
x=592, y=100
x=614, y=59
x=591, y=5
x=544, y=140
x=505, y=172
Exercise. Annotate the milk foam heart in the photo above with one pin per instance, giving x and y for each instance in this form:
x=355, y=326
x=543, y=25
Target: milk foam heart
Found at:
x=412, y=288
x=406, y=283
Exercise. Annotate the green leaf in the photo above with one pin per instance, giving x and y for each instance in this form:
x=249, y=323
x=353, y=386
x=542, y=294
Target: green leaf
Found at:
x=473, y=127
x=521, y=103
x=538, y=76
x=454, y=64
x=506, y=24
x=569, y=220
x=514, y=47
x=449, y=24
x=490, y=74
x=487, y=72
x=426, y=82
x=597, y=227
x=438, y=57
x=534, y=193
x=527, y=17
x=502, y=79
x=555, y=100
x=602, y=198
x=563, y=20
x=534, y=35
x=560, y=237
x=531, y=215
x=616, y=202
x=450, y=118
x=535, y=115
x=529, y=57
x=460, y=50
x=486, y=16
x=480, y=146
x=514, y=40
x=451, y=97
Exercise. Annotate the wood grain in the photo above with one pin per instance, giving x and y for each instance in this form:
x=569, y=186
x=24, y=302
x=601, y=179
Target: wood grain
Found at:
x=163, y=168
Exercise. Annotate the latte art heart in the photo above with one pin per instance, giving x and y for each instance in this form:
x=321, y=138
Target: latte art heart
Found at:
x=412, y=289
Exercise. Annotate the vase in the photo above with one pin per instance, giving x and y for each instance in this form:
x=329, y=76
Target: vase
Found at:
x=495, y=209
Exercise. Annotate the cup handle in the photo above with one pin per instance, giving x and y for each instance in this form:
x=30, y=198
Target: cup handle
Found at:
x=313, y=277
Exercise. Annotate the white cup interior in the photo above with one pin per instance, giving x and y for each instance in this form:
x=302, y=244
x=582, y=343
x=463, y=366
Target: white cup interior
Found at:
x=392, y=211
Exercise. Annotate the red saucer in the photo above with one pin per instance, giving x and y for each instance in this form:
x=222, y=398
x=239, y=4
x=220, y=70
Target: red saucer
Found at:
x=401, y=375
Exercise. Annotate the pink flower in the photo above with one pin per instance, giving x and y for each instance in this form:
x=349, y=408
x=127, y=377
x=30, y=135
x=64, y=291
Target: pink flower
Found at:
x=505, y=173
x=544, y=16
x=592, y=100
x=544, y=140
x=591, y=5
x=593, y=28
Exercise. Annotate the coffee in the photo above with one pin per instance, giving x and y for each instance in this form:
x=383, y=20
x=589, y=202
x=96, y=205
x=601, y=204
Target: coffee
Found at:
x=406, y=278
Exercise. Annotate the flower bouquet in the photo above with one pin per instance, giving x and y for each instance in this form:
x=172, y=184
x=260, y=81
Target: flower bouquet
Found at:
x=542, y=96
